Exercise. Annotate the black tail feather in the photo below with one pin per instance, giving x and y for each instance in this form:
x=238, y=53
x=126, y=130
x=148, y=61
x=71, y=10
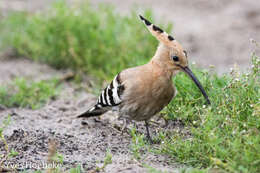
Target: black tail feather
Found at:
x=89, y=114
x=94, y=111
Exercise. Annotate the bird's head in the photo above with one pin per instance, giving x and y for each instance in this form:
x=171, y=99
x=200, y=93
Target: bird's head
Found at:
x=171, y=53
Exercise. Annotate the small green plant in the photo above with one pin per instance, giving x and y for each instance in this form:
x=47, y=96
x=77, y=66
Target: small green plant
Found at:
x=195, y=170
x=22, y=93
x=107, y=161
x=13, y=153
x=58, y=158
x=153, y=170
x=108, y=158
x=75, y=170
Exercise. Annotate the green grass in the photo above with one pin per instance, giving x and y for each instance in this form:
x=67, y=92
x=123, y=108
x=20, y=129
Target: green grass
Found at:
x=94, y=41
x=22, y=93
x=138, y=146
x=224, y=135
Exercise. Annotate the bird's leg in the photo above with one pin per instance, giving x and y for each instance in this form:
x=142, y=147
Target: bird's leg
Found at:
x=125, y=123
x=147, y=132
x=125, y=127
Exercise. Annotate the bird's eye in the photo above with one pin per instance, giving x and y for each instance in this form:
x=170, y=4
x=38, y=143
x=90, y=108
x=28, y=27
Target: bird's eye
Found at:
x=175, y=58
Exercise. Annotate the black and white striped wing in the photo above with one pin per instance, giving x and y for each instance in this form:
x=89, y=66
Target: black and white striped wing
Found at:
x=108, y=98
x=111, y=95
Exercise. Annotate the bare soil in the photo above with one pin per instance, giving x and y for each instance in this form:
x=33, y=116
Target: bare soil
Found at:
x=81, y=142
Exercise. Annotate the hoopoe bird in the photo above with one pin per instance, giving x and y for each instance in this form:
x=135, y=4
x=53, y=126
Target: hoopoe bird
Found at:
x=140, y=92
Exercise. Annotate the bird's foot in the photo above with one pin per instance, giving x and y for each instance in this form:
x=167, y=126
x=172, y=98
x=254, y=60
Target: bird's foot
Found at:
x=150, y=140
x=148, y=137
x=125, y=124
x=123, y=128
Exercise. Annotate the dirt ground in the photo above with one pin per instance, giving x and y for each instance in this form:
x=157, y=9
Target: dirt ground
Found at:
x=81, y=142
x=213, y=32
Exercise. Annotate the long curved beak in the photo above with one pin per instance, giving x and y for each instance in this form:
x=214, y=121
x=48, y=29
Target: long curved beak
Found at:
x=197, y=82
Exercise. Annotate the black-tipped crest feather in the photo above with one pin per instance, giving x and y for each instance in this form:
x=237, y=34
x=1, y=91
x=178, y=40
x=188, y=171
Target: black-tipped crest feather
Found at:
x=155, y=30
x=148, y=23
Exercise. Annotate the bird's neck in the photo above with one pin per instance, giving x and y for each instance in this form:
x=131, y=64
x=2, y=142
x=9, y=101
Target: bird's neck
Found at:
x=160, y=61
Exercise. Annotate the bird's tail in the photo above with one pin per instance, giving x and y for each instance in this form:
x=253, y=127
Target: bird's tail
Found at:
x=94, y=111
